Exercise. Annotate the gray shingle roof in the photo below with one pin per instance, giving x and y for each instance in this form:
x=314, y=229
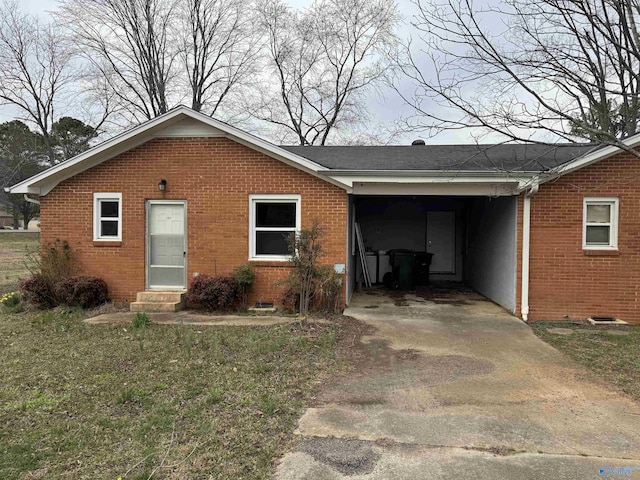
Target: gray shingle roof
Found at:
x=486, y=158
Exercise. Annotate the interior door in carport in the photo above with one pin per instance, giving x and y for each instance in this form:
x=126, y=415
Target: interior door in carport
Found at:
x=441, y=240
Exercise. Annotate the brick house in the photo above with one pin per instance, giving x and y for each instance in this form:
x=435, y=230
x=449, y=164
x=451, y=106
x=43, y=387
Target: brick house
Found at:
x=546, y=232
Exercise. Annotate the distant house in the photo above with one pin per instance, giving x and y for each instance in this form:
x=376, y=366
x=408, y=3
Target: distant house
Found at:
x=546, y=232
x=6, y=220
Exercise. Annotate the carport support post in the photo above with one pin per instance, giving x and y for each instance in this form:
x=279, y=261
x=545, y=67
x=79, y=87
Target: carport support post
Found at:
x=526, y=236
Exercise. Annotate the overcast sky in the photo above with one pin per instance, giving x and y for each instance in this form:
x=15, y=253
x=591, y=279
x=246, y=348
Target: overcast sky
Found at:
x=383, y=107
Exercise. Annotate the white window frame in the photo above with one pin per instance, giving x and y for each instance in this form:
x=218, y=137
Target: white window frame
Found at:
x=613, y=222
x=271, y=198
x=97, y=199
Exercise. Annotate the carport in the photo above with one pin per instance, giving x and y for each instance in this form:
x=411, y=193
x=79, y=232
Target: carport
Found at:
x=471, y=239
x=459, y=202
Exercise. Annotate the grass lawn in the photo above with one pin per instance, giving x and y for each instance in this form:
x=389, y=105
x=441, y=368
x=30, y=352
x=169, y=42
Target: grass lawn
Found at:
x=615, y=357
x=13, y=253
x=84, y=401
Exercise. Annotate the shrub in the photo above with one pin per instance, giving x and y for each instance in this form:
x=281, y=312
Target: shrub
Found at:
x=84, y=292
x=36, y=290
x=309, y=285
x=245, y=276
x=213, y=293
x=290, y=297
x=328, y=288
x=53, y=265
x=305, y=248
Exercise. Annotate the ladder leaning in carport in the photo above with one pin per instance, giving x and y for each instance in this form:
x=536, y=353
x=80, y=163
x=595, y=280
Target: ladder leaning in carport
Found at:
x=363, y=260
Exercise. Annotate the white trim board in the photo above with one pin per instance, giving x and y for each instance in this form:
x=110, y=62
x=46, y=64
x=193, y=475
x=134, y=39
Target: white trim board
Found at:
x=44, y=182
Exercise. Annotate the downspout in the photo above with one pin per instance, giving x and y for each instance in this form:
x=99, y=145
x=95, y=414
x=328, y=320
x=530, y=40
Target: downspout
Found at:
x=526, y=239
x=31, y=200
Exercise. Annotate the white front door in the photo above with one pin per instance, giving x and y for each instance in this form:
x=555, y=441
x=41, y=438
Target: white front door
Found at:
x=441, y=241
x=166, y=244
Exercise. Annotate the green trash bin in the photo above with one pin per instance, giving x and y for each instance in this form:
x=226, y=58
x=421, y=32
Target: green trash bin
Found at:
x=402, y=267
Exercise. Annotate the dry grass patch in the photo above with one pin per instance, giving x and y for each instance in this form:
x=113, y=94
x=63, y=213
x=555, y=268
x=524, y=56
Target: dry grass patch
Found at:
x=14, y=248
x=84, y=401
x=614, y=356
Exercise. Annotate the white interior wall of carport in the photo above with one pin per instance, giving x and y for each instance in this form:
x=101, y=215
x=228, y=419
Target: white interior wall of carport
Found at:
x=491, y=260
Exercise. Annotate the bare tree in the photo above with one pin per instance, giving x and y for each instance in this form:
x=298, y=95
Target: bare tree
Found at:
x=131, y=45
x=322, y=61
x=540, y=71
x=35, y=68
x=219, y=52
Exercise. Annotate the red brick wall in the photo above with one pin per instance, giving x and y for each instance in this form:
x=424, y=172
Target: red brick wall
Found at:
x=215, y=176
x=568, y=282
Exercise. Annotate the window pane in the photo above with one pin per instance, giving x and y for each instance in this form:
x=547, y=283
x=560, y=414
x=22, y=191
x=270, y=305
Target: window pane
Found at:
x=598, y=213
x=108, y=228
x=276, y=215
x=109, y=208
x=167, y=250
x=166, y=277
x=272, y=243
x=597, y=235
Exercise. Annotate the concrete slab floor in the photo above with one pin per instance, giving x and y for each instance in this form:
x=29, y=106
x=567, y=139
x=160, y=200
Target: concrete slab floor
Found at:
x=461, y=389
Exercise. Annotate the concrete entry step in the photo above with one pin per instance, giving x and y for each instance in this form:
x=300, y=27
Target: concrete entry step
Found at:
x=157, y=301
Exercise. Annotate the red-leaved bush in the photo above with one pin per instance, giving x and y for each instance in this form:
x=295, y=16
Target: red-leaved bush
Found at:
x=213, y=293
x=36, y=291
x=84, y=292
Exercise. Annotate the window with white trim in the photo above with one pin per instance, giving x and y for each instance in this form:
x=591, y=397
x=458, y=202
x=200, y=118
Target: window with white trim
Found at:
x=600, y=223
x=272, y=219
x=107, y=216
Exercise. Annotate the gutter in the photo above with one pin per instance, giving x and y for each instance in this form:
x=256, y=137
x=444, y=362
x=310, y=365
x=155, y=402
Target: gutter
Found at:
x=526, y=241
x=515, y=175
x=31, y=200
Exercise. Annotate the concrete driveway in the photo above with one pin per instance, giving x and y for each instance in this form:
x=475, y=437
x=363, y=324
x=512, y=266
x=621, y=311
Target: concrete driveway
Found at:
x=453, y=387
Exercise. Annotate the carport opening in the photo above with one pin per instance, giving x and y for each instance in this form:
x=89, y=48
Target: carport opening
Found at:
x=469, y=244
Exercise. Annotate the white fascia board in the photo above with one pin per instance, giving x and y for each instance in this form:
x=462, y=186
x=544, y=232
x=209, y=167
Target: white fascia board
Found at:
x=436, y=173
x=45, y=181
x=599, y=154
x=431, y=178
x=441, y=189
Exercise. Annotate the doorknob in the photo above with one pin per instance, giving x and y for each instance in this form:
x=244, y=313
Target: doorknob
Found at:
x=184, y=254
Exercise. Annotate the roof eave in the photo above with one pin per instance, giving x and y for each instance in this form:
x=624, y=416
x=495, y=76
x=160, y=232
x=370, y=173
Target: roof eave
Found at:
x=43, y=182
x=589, y=159
x=434, y=173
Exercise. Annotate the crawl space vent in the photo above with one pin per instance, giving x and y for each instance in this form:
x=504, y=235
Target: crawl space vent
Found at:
x=603, y=320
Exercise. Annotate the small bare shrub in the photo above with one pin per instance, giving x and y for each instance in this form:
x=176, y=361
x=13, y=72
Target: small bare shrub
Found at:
x=245, y=277
x=54, y=264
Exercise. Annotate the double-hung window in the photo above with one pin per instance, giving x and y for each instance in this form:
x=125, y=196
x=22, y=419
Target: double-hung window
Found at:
x=272, y=219
x=600, y=223
x=107, y=216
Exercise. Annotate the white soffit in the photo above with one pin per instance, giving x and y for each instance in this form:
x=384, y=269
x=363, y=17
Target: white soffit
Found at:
x=189, y=127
